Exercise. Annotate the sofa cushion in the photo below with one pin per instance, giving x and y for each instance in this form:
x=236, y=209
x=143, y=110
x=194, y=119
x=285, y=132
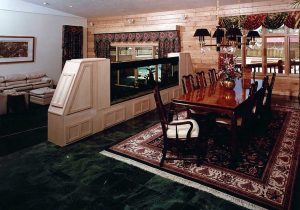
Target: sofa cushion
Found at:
x=14, y=77
x=40, y=85
x=24, y=88
x=34, y=75
x=11, y=87
x=34, y=80
x=15, y=83
x=2, y=88
x=1, y=79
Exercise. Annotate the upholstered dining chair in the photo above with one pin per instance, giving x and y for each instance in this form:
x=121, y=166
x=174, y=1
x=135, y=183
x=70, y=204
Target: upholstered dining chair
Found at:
x=200, y=79
x=213, y=76
x=188, y=83
x=183, y=135
x=195, y=113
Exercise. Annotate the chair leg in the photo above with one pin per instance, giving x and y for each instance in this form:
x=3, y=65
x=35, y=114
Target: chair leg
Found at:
x=199, y=152
x=164, y=153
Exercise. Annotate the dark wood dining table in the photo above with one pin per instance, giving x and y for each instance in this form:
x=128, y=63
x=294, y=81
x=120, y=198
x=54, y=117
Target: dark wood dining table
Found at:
x=216, y=98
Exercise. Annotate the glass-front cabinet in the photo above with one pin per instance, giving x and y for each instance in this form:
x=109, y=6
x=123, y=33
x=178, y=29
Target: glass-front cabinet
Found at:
x=131, y=79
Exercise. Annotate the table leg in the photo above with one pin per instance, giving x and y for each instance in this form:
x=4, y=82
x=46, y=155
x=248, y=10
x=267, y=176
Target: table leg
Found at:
x=233, y=139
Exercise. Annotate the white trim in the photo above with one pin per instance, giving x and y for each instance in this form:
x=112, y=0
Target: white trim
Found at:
x=184, y=181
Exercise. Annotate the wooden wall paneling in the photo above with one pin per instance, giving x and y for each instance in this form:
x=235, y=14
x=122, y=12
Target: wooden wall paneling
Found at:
x=186, y=21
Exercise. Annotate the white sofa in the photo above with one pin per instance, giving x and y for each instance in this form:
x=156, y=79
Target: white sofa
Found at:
x=21, y=82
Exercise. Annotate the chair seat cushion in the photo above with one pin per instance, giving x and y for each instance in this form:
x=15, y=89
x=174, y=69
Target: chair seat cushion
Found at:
x=227, y=121
x=183, y=129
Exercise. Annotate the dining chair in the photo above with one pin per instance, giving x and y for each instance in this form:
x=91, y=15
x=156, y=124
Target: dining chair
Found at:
x=244, y=113
x=182, y=135
x=258, y=109
x=188, y=83
x=200, y=79
x=202, y=117
x=213, y=76
x=268, y=96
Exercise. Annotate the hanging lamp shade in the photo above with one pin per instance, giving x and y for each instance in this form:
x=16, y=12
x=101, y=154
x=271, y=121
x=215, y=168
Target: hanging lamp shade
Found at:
x=201, y=32
x=218, y=33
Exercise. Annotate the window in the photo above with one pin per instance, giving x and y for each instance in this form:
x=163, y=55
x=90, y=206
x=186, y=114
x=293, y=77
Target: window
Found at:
x=294, y=54
x=275, y=54
x=275, y=51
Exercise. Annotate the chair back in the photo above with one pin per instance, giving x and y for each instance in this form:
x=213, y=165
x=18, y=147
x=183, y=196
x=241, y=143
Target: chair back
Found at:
x=160, y=106
x=200, y=79
x=213, y=76
x=248, y=105
x=259, y=97
x=188, y=83
x=253, y=88
x=267, y=103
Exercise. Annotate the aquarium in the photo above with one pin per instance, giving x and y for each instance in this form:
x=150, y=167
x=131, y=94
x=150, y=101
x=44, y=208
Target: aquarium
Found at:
x=131, y=79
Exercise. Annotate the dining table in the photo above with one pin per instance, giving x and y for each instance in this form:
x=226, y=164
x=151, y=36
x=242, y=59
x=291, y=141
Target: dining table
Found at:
x=218, y=99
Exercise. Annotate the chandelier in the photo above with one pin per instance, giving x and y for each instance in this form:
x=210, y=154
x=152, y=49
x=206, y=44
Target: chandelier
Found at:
x=227, y=40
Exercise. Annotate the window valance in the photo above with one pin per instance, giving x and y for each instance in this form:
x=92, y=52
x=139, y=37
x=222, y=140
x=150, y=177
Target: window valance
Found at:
x=268, y=20
x=169, y=41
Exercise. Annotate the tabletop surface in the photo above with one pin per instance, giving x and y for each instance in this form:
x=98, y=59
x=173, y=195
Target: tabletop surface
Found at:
x=216, y=95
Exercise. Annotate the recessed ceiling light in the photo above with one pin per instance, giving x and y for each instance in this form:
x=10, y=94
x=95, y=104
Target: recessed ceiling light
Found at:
x=70, y=6
x=45, y=3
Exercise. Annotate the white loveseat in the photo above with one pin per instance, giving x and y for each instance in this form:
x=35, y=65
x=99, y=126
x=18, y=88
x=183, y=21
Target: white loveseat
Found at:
x=21, y=82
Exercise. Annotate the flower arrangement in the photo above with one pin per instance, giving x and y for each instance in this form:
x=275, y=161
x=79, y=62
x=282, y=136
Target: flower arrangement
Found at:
x=229, y=70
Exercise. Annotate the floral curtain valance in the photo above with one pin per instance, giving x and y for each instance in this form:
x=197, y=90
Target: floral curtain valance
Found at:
x=138, y=36
x=169, y=41
x=270, y=20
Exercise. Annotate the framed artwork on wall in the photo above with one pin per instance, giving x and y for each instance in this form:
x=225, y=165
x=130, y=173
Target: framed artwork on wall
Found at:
x=16, y=49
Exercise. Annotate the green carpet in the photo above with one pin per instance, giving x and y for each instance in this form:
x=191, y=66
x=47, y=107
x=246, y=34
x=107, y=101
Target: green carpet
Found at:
x=45, y=176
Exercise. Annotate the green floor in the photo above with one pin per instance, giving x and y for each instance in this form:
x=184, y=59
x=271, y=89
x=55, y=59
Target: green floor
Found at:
x=40, y=175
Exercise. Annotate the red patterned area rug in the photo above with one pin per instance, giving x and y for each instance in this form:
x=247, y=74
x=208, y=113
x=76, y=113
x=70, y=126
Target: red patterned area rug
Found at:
x=262, y=176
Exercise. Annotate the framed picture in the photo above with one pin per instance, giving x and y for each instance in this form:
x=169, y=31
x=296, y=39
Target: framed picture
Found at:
x=15, y=49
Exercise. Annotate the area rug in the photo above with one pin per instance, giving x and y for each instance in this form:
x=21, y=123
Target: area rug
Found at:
x=261, y=177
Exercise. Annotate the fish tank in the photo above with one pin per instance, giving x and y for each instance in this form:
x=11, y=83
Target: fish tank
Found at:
x=132, y=79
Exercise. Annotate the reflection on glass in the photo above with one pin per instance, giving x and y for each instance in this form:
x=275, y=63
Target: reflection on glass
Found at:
x=293, y=31
x=125, y=53
x=294, y=54
x=145, y=52
x=133, y=79
x=254, y=55
x=278, y=30
x=275, y=55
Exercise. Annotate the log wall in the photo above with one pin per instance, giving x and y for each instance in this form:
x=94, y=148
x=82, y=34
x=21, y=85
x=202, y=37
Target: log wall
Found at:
x=187, y=21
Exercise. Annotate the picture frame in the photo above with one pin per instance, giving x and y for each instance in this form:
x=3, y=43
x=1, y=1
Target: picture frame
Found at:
x=16, y=49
